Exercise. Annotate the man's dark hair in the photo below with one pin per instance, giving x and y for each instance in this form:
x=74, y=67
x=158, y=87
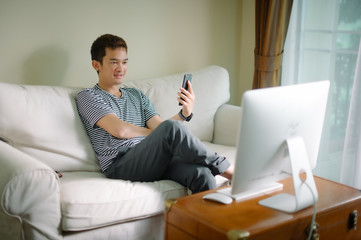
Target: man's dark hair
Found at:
x=106, y=41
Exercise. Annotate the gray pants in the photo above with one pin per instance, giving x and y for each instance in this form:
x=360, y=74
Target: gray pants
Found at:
x=170, y=152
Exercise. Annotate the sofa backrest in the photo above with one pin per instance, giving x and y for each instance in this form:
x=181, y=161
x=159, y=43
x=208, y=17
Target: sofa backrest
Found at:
x=211, y=87
x=43, y=122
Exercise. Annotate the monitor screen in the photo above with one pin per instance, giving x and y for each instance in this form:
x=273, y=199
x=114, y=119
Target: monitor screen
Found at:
x=271, y=116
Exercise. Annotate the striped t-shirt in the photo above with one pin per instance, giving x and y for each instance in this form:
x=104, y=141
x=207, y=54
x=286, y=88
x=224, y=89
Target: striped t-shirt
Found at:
x=94, y=103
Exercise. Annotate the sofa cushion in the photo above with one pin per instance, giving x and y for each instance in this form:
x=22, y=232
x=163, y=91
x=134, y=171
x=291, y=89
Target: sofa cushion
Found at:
x=90, y=200
x=43, y=122
x=211, y=87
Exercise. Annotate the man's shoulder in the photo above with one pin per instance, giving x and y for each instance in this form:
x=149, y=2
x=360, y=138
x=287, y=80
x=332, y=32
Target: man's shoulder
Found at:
x=133, y=91
x=88, y=92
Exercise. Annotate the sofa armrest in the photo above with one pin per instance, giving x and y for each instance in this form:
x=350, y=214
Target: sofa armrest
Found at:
x=30, y=197
x=226, y=125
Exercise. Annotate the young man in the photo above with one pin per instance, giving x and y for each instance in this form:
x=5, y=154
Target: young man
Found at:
x=130, y=139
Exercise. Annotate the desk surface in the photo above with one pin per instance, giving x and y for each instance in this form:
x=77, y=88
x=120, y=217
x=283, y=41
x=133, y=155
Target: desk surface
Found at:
x=200, y=217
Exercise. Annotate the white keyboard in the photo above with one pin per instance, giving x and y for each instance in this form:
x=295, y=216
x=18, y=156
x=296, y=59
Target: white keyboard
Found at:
x=257, y=191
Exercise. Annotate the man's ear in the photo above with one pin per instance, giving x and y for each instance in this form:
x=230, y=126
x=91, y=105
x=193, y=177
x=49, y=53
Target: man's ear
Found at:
x=96, y=65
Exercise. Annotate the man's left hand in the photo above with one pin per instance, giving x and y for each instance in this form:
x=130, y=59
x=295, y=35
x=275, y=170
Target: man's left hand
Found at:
x=186, y=98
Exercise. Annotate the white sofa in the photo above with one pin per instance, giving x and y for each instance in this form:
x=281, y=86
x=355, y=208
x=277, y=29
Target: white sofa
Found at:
x=40, y=133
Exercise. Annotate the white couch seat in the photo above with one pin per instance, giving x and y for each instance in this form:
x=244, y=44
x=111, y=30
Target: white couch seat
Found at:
x=110, y=201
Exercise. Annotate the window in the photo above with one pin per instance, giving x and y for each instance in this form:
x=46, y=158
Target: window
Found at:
x=322, y=43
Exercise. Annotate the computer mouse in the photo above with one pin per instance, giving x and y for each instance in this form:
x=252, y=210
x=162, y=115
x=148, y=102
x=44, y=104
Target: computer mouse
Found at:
x=218, y=197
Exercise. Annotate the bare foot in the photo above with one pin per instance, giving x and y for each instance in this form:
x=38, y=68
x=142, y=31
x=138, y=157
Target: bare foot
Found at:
x=228, y=173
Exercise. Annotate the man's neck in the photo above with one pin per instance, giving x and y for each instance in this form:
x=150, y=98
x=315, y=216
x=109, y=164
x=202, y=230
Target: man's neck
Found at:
x=114, y=89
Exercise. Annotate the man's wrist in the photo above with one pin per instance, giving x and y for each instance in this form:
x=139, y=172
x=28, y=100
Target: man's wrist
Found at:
x=187, y=119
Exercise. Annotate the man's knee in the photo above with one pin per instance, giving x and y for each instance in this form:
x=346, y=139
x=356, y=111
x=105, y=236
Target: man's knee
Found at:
x=173, y=128
x=172, y=124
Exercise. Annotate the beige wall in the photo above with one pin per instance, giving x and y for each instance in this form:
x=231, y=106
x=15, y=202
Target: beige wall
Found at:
x=48, y=41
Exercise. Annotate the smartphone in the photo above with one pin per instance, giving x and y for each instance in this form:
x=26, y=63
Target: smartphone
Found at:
x=186, y=78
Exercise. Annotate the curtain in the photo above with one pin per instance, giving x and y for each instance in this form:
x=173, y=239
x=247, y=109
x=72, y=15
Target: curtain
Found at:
x=272, y=18
x=323, y=42
x=351, y=161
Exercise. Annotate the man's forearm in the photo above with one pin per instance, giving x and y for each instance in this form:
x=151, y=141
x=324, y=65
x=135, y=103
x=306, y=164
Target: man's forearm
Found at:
x=121, y=129
x=131, y=131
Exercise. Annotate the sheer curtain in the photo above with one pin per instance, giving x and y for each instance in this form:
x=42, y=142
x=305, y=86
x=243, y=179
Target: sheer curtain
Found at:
x=323, y=43
x=351, y=161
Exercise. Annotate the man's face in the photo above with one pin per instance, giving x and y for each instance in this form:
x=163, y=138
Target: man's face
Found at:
x=114, y=66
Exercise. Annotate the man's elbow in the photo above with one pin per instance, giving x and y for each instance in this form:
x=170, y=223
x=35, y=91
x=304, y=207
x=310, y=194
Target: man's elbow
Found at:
x=119, y=133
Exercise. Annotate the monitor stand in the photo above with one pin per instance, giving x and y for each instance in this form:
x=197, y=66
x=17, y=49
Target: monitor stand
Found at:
x=303, y=182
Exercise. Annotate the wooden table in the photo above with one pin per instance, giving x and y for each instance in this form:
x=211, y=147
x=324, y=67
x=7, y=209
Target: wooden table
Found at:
x=338, y=210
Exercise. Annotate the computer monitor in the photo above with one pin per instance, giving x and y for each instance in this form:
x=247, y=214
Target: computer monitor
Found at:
x=279, y=136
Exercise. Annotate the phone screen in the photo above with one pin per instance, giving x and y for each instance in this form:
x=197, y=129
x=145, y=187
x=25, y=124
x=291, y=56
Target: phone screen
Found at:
x=186, y=78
